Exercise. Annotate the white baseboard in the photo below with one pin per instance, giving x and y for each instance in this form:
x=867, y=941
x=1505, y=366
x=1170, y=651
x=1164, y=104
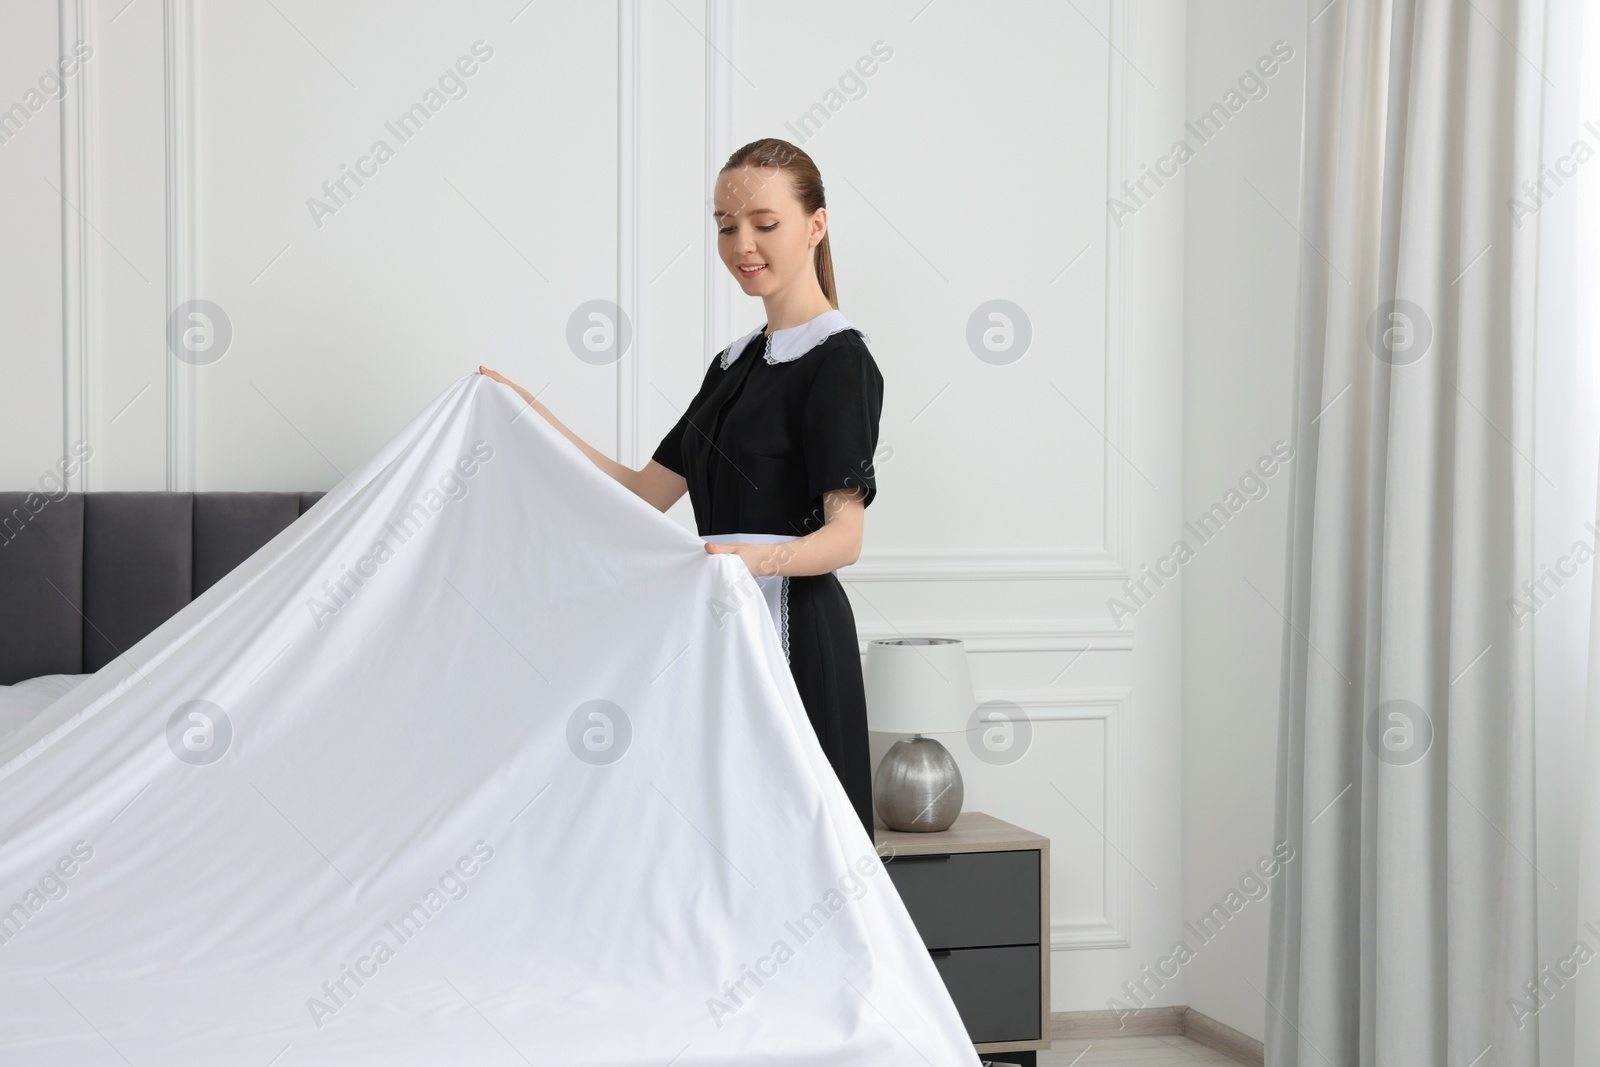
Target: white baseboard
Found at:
x=1178, y=1020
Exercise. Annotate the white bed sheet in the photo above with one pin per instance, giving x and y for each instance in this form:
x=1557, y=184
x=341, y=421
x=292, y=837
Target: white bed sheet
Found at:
x=21, y=702
x=515, y=788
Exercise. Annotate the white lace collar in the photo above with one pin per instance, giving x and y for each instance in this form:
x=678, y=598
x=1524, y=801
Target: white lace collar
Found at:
x=796, y=341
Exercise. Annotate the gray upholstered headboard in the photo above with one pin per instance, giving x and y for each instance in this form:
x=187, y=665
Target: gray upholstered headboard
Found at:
x=84, y=576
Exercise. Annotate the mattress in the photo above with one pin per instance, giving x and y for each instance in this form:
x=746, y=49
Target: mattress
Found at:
x=20, y=703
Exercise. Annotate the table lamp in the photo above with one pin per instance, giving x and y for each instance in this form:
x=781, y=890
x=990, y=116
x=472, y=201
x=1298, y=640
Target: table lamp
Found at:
x=916, y=686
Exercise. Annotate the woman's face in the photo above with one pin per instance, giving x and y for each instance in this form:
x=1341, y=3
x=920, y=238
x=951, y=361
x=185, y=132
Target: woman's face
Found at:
x=760, y=225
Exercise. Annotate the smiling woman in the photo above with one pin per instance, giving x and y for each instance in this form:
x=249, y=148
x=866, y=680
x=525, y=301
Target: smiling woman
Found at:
x=779, y=463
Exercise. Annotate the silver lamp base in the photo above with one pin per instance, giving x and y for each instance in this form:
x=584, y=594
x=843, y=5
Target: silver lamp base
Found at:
x=918, y=786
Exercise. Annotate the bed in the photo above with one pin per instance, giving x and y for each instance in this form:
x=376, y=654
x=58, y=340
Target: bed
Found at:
x=84, y=576
x=516, y=781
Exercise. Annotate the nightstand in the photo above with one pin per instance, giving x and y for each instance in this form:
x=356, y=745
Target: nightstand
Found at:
x=979, y=894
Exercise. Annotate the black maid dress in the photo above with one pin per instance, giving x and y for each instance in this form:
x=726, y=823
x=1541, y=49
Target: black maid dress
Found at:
x=779, y=420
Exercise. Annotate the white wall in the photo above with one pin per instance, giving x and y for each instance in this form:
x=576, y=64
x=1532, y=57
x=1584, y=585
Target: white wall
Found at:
x=1019, y=496
x=1566, y=431
x=1241, y=252
x=31, y=433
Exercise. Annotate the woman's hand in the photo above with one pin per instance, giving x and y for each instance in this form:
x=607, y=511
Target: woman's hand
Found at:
x=656, y=485
x=497, y=376
x=763, y=560
x=837, y=544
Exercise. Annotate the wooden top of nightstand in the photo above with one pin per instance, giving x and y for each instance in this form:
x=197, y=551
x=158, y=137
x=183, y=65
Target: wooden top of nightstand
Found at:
x=973, y=831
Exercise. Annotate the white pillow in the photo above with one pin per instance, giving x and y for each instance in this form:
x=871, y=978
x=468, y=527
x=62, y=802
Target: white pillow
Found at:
x=21, y=702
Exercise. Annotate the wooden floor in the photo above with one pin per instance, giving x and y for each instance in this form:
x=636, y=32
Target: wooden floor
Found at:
x=1132, y=1052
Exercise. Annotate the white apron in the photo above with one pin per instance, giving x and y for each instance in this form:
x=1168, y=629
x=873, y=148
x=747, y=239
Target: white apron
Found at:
x=774, y=587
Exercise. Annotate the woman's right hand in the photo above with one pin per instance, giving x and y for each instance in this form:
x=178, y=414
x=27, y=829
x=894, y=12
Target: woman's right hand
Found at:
x=656, y=484
x=497, y=376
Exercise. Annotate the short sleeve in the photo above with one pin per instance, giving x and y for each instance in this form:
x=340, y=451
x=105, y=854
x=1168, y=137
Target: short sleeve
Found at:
x=669, y=453
x=840, y=423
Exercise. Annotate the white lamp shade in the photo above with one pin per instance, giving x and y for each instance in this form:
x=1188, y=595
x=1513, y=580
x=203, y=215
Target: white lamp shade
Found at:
x=918, y=685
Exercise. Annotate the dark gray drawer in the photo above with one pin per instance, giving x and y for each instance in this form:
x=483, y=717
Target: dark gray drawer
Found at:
x=971, y=899
x=996, y=990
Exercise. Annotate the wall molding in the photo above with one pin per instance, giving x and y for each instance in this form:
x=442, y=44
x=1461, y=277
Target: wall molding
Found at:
x=1120, y=46
x=178, y=80
x=1110, y=561
x=915, y=565
x=1109, y=705
x=1005, y=635
x=718, y=304
x=79, y=263
x=632, y=289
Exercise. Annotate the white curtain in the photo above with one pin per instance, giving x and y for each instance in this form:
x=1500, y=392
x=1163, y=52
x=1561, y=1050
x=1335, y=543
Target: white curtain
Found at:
x=1406, y=745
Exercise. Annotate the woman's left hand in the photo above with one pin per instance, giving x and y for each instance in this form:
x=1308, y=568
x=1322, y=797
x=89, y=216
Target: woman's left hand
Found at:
x=759, y=558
